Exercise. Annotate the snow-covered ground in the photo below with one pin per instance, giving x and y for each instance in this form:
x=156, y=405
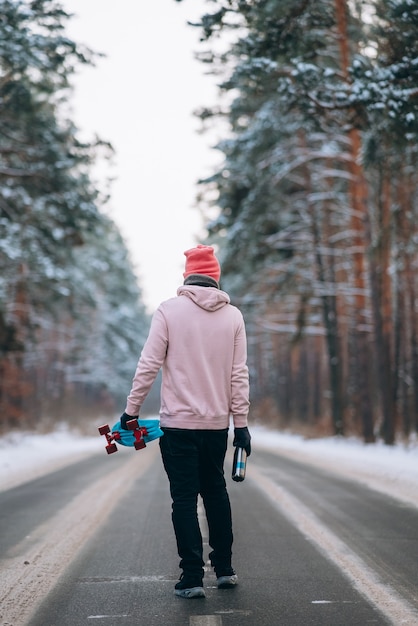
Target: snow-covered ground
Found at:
x=25, y=456
x=392, y=470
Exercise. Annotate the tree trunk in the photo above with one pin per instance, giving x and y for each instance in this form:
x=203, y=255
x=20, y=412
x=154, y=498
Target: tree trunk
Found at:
x=359, y=217
x=330, y=321
x=386, y=382
x=406, y=233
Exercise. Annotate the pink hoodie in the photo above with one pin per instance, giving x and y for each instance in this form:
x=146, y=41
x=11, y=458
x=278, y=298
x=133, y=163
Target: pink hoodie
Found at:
x=199, y=340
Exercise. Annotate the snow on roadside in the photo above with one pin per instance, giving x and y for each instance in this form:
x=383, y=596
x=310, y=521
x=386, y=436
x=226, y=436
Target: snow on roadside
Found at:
x=25, y=456
x=389, y=469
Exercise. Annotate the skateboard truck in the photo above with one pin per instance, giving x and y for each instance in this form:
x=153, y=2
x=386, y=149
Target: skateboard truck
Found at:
x=137, y=441
x=110, y=438
x=139, y=433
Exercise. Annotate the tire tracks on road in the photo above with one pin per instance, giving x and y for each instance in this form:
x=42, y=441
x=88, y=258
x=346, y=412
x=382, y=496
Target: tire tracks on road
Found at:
x=386, y=599
x=26, y=580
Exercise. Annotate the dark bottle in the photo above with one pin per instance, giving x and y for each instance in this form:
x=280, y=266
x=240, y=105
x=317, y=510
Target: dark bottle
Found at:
x=239, y=465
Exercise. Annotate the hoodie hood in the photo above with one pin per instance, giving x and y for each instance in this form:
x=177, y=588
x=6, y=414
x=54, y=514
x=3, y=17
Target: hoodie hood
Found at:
x=207, y=298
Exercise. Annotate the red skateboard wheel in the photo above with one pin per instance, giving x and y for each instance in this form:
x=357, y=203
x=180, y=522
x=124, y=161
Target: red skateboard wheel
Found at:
x=111, y=448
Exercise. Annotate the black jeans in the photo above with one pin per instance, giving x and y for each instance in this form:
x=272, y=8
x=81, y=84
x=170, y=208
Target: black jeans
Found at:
x=194, y=462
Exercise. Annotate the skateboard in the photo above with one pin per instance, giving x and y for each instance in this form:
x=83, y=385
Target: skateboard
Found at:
x=137, y=435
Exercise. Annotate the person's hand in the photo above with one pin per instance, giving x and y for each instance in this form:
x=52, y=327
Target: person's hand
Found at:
x=125, y=418
x=242, y=439
x=127, y=437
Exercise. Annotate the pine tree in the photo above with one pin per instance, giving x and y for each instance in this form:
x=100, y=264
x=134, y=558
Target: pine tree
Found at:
x=271, y=167
x=62, y=327
x=322, y=115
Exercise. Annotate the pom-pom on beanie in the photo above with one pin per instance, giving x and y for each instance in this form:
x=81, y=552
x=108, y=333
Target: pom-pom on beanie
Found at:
x=202, y=260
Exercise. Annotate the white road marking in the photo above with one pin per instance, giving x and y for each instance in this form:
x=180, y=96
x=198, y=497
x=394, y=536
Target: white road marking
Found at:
x=363, y=578
x=107, y=616
x=205, y=620
x=323, y=602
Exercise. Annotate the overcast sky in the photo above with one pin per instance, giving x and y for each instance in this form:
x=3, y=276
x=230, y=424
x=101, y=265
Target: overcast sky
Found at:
x=141, y=98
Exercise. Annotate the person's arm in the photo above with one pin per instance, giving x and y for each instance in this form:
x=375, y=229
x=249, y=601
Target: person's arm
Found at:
x=240, y=391
x=151, y=359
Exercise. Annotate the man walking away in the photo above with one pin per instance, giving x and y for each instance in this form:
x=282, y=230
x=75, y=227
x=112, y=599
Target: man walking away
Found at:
x=198, y=339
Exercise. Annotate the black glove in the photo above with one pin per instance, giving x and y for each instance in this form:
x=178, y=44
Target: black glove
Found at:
x=125, y=418
x=242, y=439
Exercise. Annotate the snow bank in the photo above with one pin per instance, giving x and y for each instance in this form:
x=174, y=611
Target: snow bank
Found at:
x=25, y=456
x=390, y=469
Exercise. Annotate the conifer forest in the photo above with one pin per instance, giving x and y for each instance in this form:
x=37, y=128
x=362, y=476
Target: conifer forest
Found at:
x=313, y=212
x=71, y=314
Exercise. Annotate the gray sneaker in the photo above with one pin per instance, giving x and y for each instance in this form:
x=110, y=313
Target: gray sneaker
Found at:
x=227, y=582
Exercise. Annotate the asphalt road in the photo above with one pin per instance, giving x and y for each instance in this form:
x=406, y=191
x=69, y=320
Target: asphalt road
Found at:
x=309, y=549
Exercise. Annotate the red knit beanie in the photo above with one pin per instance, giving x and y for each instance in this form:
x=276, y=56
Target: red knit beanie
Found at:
x=202, y=260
